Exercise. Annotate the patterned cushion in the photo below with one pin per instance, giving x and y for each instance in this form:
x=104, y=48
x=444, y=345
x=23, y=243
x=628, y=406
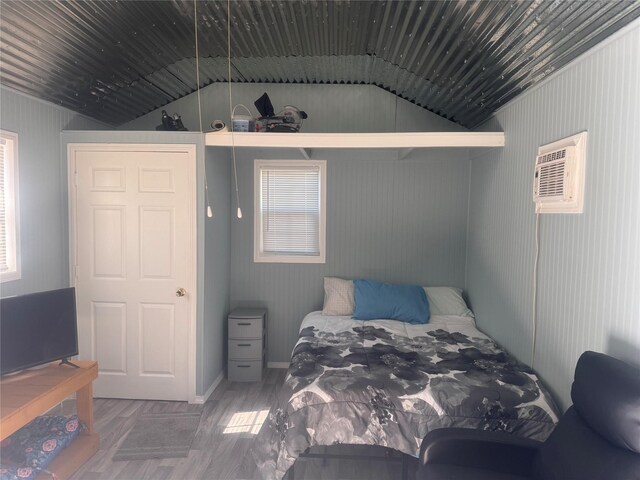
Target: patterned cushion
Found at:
x=37, y=444
x=17, y=473
x=338, y=296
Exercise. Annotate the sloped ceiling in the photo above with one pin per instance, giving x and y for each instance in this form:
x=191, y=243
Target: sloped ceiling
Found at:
x=117, y=60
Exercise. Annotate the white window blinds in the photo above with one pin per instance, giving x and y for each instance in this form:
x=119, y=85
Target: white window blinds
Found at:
x=290, y=211
x=9, y=260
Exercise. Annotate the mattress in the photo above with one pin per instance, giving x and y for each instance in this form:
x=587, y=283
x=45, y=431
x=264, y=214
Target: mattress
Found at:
x=388, y=383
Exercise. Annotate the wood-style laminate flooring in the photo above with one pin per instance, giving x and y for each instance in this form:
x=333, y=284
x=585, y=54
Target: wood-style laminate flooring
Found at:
x=221, y=448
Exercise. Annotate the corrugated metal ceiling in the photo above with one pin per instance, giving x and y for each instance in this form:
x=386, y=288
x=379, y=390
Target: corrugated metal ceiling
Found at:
x=117, y=60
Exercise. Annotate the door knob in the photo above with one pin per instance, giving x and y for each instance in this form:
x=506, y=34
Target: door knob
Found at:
x=181, y=292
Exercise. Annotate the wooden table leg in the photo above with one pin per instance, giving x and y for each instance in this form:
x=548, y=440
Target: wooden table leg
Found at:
x=84, y=406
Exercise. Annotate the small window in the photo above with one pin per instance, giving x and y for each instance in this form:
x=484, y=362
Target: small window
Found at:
x=9, y=241
x=290, y=217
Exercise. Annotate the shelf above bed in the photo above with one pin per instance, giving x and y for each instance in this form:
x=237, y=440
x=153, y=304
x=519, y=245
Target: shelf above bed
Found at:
x=400, y=140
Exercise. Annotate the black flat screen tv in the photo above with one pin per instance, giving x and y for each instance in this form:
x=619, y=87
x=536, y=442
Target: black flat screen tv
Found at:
x=37, y=328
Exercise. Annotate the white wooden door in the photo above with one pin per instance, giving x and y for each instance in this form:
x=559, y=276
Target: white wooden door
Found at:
x=133, y=243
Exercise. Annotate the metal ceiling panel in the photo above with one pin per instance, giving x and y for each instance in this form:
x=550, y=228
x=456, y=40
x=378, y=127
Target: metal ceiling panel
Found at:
x=117, y=60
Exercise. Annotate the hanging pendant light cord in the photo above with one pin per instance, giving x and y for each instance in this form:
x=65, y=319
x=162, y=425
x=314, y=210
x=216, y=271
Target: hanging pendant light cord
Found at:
x=195, y=27
x=233, y=143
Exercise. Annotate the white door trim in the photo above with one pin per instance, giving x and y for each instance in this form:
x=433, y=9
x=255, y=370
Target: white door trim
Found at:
x=190, y=149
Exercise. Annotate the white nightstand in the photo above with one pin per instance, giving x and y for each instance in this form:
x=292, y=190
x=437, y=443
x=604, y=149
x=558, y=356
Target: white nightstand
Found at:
x=247, y=344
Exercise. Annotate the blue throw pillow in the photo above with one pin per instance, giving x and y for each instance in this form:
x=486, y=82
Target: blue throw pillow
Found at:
x=407, y=303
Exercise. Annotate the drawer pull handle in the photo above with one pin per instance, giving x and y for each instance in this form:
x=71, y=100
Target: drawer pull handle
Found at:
x=244, y=344
x=244, y=366
x=244, y=324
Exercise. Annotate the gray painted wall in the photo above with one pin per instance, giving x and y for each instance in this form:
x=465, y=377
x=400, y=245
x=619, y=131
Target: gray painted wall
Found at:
x=217, y=265
x=44, y=231
x=43, y=189
x=331, y=108
x=394, y=220
x=390, y=219
x=589, y=264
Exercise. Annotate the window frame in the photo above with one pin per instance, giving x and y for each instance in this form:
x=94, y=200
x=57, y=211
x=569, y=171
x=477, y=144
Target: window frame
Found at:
x=258, y=255
x=12, y=210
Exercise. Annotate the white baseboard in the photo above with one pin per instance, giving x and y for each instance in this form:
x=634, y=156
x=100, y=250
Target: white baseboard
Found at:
x=200, y=399
x=278, y=365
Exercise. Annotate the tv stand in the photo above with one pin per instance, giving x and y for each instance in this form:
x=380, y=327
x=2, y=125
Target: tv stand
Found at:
x=65, y=361
x=31, y=393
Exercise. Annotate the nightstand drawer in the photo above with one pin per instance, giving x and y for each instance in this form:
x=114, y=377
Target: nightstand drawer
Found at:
x=245, y=371
x=247, y=344
x=249, y=349
x=245, y=327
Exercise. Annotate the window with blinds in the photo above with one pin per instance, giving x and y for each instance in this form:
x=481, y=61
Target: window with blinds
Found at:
x=290, y=211
x=9, y=258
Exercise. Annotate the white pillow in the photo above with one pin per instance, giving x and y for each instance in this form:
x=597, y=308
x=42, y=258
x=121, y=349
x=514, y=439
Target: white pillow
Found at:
x=338, y=296
x=447, y=301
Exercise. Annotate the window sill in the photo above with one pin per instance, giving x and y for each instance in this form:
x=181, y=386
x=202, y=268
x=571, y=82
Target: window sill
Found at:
x=10, y=276
x=258, y=258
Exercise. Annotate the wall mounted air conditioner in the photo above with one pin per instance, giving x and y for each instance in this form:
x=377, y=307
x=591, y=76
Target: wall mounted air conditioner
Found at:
x=558, y=182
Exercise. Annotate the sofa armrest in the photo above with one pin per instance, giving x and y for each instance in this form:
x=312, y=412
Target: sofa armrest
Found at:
x=497, y=451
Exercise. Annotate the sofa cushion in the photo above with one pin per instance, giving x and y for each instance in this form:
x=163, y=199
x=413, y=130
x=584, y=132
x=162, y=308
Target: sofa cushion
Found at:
x=437, y=471
x=606, y=394
x=575, y=452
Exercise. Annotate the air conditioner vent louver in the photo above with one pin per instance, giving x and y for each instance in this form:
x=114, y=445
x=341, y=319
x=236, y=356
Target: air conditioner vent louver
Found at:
x=559, y=176
x=552, y=178
x=550, y=157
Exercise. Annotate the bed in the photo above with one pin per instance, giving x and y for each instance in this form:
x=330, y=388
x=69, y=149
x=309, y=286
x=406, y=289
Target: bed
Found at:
x=386, y=382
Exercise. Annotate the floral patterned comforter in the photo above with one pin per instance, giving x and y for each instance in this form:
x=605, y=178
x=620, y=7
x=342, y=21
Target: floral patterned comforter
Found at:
x=385, y=382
